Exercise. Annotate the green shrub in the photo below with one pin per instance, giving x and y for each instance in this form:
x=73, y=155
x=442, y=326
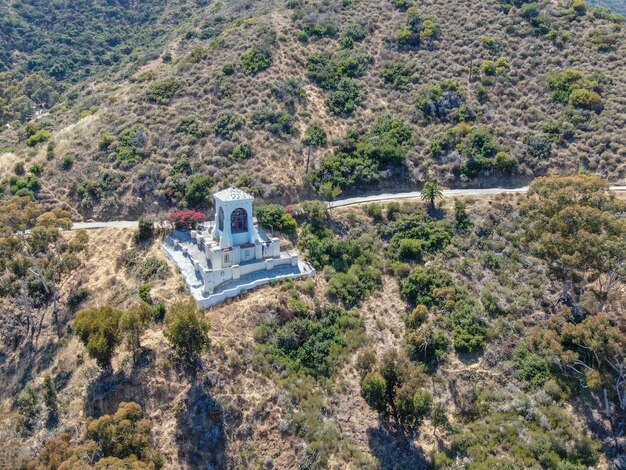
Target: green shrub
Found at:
x=144, y=293
x=255, y=60
x=354, y=32
x=164, y=91
x=345, y=98
x=564, y=82
x=401, y=4
x=505, y=163
x=145, y=230
x=317, y=26
x=313, y=342
x=277, y=122
x=532, y=367
x=397, y=74
x=469, y=328
x=158, y=311
x=274, y=217
x=197, y=190
x=191, y=125
x=328, y=70
x=38, y=137
x=315, y=135
x=105, y=141
x=409, y=249
x=417, y=317
x=226, y=124
x=26, y=186
x=77, y=297
x=586, y=99
x=242, y=151
x=18, y=168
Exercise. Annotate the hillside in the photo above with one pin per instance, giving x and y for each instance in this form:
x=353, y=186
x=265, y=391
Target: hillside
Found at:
x=454, y=330
x=499, y=358
x=172, y=98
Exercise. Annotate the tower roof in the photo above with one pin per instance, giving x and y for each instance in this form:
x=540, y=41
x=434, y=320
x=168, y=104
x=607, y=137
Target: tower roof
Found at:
x=232, y=194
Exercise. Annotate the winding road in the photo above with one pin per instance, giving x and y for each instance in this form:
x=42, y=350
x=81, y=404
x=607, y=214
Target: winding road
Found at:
x=350, y=202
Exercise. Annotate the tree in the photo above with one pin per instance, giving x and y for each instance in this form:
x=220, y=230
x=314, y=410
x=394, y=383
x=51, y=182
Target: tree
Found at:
x=186, y=331
x=124, y=435
x=34, y=257
x=50, y=399
x=374, y=392
x=439, y=417
x=145, y=230
x=315, y=136
x=98, y=329
x=329, y=192
x=574, y=224
x=392, y=388
x=431, y=192
x=461, y=219
x=197, y=190
x=133, y=323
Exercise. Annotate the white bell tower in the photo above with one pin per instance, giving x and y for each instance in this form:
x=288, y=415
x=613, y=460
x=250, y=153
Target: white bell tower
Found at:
x=234, y=224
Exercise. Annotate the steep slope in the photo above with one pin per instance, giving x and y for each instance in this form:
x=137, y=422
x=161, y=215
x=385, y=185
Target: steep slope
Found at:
x=226, y=92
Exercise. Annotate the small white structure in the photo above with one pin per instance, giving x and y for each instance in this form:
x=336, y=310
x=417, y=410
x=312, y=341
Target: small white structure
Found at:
x=231, y=254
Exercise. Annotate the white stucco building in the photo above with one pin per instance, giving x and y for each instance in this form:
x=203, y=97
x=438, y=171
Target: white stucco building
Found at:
x=231, y=253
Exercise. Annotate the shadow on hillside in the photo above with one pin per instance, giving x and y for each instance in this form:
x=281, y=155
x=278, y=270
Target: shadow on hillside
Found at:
x=19, y=369
x=200, y=429
x=394, y=449
x=109, y=389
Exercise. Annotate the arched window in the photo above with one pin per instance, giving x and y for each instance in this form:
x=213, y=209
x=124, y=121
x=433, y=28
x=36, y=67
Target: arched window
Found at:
x=220, y=220
x=239, y=221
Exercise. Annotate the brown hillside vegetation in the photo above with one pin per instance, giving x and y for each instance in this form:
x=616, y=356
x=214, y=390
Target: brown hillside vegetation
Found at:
x=230, y=96
x=503, y=331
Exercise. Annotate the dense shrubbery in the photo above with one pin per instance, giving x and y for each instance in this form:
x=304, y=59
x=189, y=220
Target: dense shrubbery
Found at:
x=481, y=152
x=354, y=32
x=570, y=86
x=444, y=102
x=397, y=74
x=415, y=30
x=164, y=91
x=274, y=217
x=436, y=291
x=359, y=161
x=226, y=124
x=411, y=235
x=197, y=190
x=313, y=341
x=492, y=439
x=279, y=123
x=255, y=60
x=336, y=74
x=129, y=148
x=120, y=440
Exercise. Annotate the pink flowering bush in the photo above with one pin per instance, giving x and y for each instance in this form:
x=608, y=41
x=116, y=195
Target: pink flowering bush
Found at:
x=186, y=218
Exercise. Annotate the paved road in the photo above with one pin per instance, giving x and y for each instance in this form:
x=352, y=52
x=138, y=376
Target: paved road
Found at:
x=349, y=202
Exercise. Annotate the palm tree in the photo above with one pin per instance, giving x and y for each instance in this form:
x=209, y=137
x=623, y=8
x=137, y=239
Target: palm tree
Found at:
x=431, y=192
